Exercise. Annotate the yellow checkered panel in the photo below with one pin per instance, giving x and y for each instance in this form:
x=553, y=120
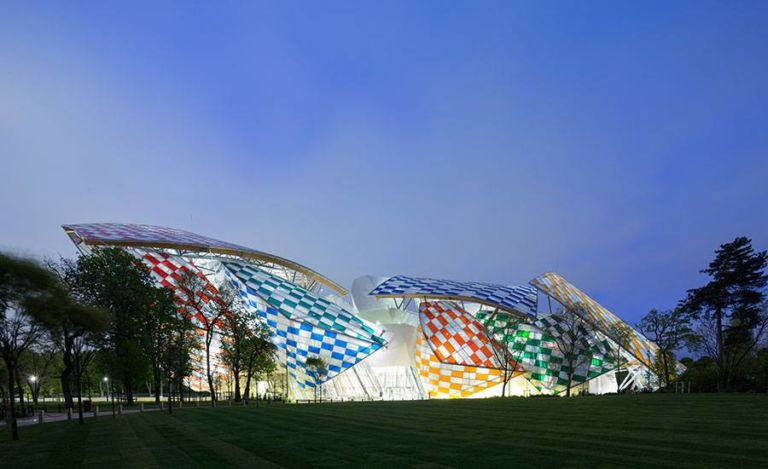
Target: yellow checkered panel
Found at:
x=571, y=297
x=446, y=380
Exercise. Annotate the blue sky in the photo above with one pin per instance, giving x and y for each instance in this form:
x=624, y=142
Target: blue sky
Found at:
x=617, y=143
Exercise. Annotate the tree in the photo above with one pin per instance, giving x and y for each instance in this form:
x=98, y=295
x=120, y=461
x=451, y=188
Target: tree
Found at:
x=238, y=327
x=731, y=319
x=701, y=374
x=21, y=281
x=571, y=334
x=176, y=343
x=113, y=279
x=73, y=327
x=319, y=369
x=183, y=342
x=501, y=327
x=661, y=367
x=36, y=364
x=259, y=355
x=245, y=347
x=199, y=301
x=669, y=330
x=161, y=323
x=761, y=370
x=77, y=330
x=620, y=336
x=84, y=347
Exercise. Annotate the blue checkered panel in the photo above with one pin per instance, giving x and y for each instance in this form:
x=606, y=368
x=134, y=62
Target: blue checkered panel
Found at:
x=300, y=330
x=521, y=299
x=295, y=302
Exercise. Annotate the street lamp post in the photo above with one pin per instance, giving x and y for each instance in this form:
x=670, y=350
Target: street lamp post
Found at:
x=111, y=393
x=33, y=380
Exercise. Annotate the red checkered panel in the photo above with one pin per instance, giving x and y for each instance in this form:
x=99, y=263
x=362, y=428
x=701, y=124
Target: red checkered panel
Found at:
x=455, y=336
x=167, y=270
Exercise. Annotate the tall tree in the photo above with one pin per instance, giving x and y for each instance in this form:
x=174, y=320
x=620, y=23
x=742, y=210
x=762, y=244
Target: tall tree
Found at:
x=113, y=279
x=732, y=321
x=21, y=281
x=234, y=343
x=85, y=347
x=571, y=334
x=669, y=330
x=319, y=368
x=77, y=330
x=259, y=355
x=178, y=341
x=37, y=363
x=72, y=322
x=245, y=348
x=198, y=301
x=160, y=323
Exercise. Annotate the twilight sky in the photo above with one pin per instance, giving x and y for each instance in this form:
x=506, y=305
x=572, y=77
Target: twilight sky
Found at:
x=618, y=143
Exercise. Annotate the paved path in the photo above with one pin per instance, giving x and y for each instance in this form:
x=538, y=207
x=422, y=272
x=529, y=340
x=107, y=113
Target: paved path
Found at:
x=62, y=416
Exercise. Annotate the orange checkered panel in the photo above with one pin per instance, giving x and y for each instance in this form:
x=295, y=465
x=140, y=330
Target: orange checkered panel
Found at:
x=446, y=380
x=455, y=336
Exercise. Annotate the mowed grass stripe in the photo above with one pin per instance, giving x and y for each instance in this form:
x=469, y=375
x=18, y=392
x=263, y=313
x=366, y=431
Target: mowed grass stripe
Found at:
x=621, y=439
x=579, y=444
x=608, y=431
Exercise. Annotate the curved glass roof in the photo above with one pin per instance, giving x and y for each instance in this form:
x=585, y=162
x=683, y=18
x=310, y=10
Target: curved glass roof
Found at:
x=135, y=235
x=554, y=285
x=520, y=300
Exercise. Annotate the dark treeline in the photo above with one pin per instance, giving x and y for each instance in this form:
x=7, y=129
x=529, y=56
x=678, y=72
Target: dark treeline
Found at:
x=724, y=323
x=98, y=325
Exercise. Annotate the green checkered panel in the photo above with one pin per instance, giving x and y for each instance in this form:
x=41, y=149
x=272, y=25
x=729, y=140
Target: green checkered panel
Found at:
x=535, y=349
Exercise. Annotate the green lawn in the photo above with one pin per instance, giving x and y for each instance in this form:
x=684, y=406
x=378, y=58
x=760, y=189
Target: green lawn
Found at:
x=639, y=430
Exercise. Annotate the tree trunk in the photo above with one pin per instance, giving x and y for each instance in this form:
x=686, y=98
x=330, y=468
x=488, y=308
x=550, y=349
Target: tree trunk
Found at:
x=249, y=372
x=20, y=389
x=66, y=373
x=79, y=378
x=236, y=372
x=179, y=389
x=721, y=372
x=65, y=387
x=208, y=369
x=247, y=390
x=156, y=376
x=504, y=384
